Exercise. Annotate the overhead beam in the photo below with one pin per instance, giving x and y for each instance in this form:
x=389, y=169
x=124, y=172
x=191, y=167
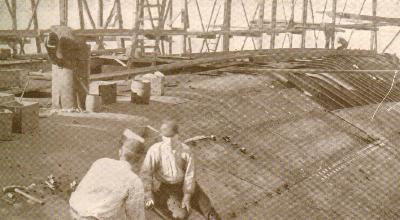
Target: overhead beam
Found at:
x=378, y=19
x=227, y=24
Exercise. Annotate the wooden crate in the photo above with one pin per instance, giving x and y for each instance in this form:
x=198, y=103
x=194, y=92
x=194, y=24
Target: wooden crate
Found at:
x=108, y=93
x=5, y=54
x=6, y=119
x=25, y=116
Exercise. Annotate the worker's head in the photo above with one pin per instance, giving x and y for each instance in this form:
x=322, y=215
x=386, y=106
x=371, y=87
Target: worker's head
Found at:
x=131, y=147
x=169, y=128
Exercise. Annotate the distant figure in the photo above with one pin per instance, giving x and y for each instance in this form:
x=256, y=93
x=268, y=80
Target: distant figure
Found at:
x=343, y=44
x=111, y=190
x=329, y=35
x=168, y=175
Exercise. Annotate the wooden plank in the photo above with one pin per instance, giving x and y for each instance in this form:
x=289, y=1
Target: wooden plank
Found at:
x=378, y=19
x=227, y=24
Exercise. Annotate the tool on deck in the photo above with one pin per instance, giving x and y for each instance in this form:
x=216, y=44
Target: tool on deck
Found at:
x=19, y=190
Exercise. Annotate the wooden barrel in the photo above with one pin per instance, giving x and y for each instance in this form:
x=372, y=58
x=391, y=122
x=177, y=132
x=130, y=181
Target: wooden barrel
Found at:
x=93, y=103
x=140, y=92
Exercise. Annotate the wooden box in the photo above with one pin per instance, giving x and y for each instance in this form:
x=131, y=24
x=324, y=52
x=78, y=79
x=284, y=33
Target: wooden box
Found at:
x=6, y=119
x=5, y=54
x=25, y=116
x=108, y=93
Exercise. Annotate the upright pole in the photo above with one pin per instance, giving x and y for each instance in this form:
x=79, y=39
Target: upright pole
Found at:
x=36, y=25
x=304, y=22
x=261, y=22
x=100, y=12
x=374, y=33
x=171, y=14
x=273, y=22
x=227, y=25
x=120, y=21
x=290, y=21
x=185, y=25
x=14, y=14
x=334, y=6
x=81, y=16
x=63, y=12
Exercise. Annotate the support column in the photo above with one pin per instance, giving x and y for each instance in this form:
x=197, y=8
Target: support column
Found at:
x=334, y=6
x=227, y=24
x=120, y=20
x=81, y=16
x=261, y=22
x=273, y=23
x=184, y=17
x=63, y=12
x=304, y=23
x=291, y=20
x=100, y=12
x=36, y=25
x=374, y=33
x=170, y=25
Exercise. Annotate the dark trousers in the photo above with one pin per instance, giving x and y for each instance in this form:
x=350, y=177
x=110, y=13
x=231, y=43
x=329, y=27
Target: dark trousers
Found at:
x=169, y=197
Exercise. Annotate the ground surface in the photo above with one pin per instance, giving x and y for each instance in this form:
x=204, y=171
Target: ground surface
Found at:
x=298, y=160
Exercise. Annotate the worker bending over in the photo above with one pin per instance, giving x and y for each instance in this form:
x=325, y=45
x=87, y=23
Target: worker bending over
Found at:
x=168, y=175
x=111, y=190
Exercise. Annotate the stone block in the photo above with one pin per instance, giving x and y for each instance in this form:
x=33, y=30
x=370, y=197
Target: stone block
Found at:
x=25, y=116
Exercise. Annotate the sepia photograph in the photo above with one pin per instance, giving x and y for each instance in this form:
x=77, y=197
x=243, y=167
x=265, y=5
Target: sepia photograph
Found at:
x=199, y=109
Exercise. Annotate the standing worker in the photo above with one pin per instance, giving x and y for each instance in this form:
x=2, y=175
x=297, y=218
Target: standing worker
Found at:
x=71, y=66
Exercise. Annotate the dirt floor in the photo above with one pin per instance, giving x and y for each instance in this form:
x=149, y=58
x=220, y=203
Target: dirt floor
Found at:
x=66, y=144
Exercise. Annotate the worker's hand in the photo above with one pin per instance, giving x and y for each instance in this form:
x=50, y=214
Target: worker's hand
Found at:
x=149, y=204
x=186, y=202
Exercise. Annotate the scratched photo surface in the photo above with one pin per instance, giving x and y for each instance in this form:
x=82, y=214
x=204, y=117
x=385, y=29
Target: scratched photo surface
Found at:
x=199, y=109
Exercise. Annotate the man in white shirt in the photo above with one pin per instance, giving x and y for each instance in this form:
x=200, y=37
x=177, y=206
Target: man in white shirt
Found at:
x=111, y=190
x=171, y=163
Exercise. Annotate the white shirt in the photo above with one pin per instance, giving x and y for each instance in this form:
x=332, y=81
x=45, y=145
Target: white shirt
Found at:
x=110, y=190
x=169, y=161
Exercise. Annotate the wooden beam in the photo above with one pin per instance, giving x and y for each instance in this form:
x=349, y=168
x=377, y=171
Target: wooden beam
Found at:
x=227, y=24
x=63, y=4
x=261, y=9
x=100, y=13
x=374, y=33
x=184, y=17
x=304, y=21
x=14, y=14
x=89, y=14
x=120, y=21
x=81, y=15
x=34, y=7
x=378, y=19
x=334, y=7
x=273, y=22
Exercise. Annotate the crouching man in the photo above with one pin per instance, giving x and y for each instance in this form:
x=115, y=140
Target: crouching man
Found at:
x=111, y=190
x=168, y=175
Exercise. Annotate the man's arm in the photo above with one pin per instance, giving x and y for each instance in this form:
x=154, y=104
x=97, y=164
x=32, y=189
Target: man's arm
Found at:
x=189, y=182
x=134, y=205
x=147, y=172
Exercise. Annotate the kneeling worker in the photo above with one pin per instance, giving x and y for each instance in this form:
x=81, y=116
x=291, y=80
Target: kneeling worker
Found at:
x=111, y=190
x=170, y=163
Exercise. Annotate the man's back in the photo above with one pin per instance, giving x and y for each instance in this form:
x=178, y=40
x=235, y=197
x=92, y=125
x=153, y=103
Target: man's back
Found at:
x=110, y=190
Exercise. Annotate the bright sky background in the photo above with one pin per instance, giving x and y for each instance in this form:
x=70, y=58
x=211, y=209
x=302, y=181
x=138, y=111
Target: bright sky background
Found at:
x=49, y=15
